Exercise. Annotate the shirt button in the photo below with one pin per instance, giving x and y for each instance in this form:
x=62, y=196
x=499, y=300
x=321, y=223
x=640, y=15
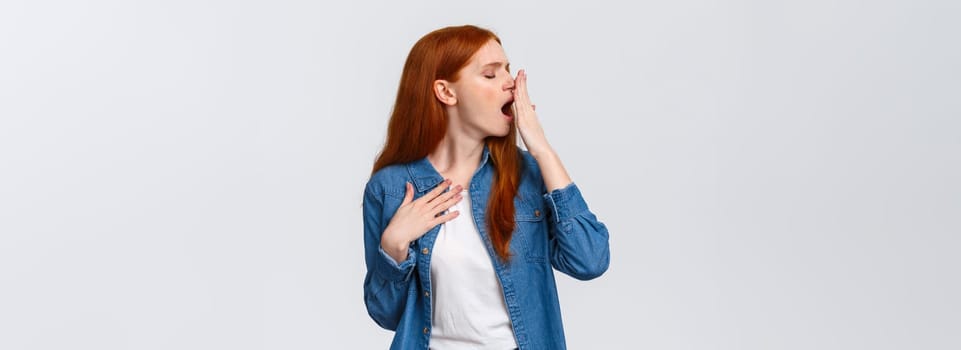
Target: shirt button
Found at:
x=537, y=213
x=425, y=330
x=425, y=251
x=427, y=294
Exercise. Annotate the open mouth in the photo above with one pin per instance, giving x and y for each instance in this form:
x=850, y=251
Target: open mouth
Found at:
x=508, y=109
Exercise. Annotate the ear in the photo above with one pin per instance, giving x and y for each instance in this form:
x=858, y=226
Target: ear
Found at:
x=445, y=92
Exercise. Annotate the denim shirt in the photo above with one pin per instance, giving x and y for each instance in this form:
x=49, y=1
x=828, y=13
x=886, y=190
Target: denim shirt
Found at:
x=553, y=230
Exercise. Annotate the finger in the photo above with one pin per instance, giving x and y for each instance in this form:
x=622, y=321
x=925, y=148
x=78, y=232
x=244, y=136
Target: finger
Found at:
x=446, y=200
x=454, y=191
x=519, y=84
x=408, y=193
x=444, y=218
x=520, y=90
x=523, y=78
x=436, y=191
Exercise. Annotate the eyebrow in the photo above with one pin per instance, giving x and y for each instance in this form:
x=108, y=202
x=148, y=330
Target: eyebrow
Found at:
x=497, y=64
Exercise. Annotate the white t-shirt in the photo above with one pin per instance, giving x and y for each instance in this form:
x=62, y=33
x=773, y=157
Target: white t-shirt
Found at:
x=469, y=311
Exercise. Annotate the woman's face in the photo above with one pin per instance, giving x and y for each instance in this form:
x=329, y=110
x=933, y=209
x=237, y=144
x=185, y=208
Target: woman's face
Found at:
x=484, y=92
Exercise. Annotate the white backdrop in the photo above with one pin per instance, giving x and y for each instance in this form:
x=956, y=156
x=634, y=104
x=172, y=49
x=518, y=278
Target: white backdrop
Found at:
x=774, y=175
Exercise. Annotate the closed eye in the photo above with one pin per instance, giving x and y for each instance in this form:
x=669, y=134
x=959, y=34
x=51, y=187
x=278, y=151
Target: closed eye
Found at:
x=490, y=76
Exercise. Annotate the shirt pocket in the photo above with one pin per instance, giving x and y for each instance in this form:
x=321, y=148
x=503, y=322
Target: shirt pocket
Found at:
x=530, y=228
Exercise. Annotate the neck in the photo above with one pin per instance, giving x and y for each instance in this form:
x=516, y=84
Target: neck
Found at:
x=459, y=153
x=456, y=156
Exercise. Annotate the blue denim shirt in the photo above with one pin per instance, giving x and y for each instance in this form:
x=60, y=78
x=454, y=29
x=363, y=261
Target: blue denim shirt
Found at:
x=553, y=229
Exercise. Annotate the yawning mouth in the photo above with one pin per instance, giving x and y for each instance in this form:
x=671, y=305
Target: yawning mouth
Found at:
x=507, y=109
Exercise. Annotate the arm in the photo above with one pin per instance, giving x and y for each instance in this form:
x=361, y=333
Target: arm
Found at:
x=552, y=170
x=386, y=282
x=579, y=243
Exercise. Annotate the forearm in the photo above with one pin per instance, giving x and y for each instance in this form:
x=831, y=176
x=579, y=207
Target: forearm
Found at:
x=555, y=176
x=387, y=285
x=396, y=250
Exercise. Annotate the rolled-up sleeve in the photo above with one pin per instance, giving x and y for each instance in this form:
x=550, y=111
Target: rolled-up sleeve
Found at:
x=579, y=241
x=390, y=270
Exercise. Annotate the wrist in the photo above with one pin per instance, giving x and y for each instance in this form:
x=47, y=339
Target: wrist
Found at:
x=543, y=154
x=394, y=248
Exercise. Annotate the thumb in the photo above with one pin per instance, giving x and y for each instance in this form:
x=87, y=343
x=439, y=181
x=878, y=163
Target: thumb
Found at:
x=408, y=193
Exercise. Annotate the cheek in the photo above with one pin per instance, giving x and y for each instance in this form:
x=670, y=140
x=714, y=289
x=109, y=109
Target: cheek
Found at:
x=492, y=97
x=480, y=97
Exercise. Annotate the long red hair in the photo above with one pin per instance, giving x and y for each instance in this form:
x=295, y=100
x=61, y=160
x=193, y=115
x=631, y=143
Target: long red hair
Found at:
x=419, y=121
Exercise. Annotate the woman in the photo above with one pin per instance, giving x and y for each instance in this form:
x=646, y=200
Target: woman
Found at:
x=461, y=227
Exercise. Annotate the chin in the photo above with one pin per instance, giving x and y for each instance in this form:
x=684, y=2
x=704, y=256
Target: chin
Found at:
x=502, y=133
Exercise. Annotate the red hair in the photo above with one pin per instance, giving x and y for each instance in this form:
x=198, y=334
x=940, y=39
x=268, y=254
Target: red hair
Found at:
x=419, y=121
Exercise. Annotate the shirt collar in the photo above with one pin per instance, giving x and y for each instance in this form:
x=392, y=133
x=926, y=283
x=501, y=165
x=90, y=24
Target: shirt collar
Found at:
x=426, y=177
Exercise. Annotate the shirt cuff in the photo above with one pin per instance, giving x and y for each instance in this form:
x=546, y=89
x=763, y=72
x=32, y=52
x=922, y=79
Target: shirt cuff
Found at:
x=390, y=270
x=566, y=202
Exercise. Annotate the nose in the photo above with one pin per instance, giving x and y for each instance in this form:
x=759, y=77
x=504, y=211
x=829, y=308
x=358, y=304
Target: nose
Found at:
x=509, y=84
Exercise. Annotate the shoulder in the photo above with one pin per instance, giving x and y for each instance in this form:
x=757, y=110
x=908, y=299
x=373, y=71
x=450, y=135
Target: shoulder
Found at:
x=389, y=180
